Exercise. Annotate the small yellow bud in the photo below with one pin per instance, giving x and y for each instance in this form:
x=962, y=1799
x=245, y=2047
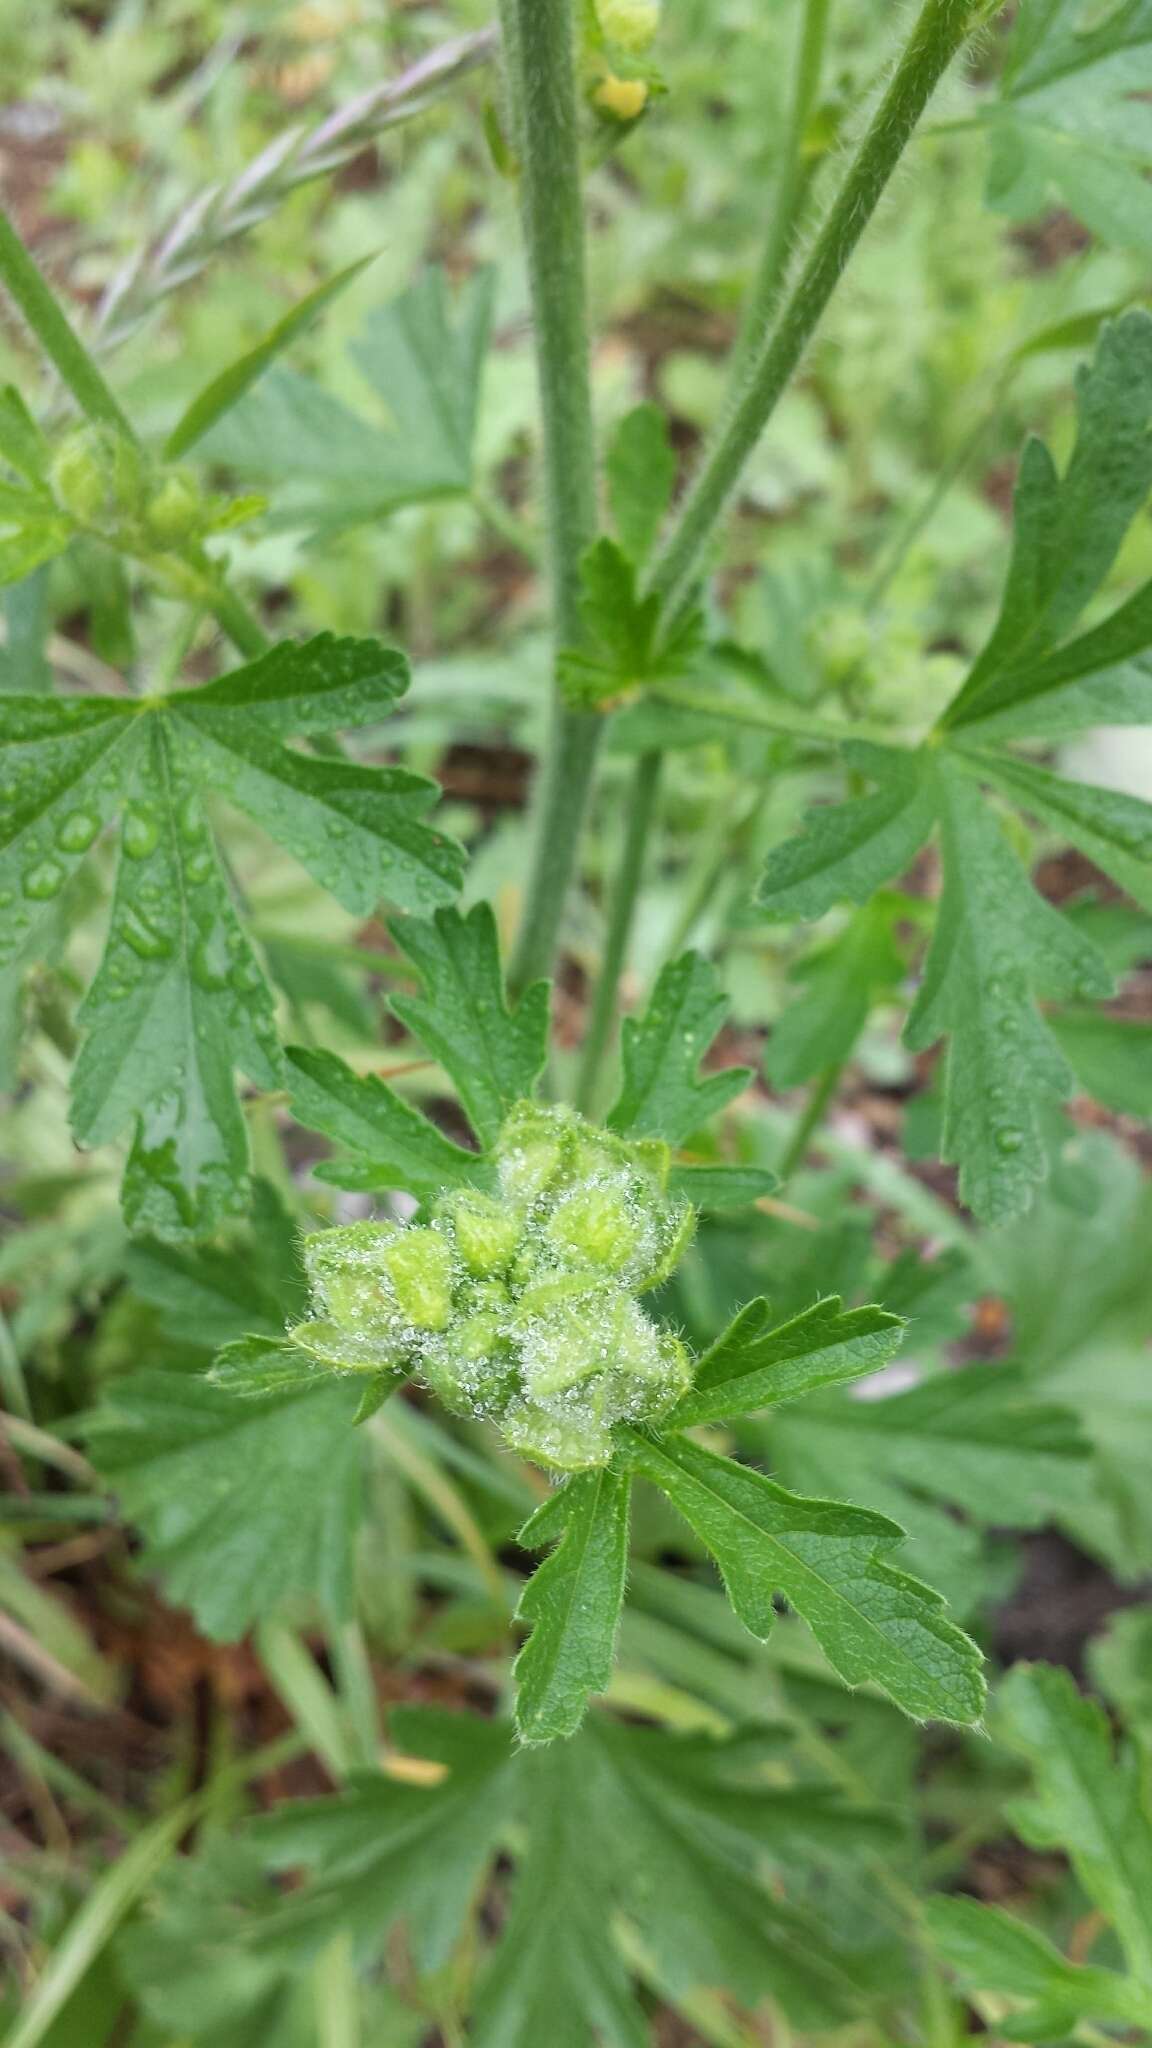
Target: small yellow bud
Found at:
x=623, y=98
x=631, y=23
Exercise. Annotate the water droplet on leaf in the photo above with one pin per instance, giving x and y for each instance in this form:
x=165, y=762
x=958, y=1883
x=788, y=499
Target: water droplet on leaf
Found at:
x=46, y=879
x=141, y=832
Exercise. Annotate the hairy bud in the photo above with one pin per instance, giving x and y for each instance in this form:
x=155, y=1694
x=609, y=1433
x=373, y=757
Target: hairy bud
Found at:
x=520, y=1306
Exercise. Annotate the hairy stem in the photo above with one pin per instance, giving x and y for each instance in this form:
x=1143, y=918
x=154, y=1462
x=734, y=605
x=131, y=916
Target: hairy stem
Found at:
x=622, y=909
x=809, y=1121
x=54, y=332
x=777, y=717
x=792, y=187
x=539, y=56
x=241, y=625
x=940, y=30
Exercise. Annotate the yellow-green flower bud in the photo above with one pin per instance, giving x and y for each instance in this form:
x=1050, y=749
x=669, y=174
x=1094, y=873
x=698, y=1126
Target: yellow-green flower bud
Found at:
x=594, y=1226
x=487, y=1233
x=631, y=23
x=623, y=98
x=419, y=1265
x=565, y=1443
x=174, y=511
x=531, y=1152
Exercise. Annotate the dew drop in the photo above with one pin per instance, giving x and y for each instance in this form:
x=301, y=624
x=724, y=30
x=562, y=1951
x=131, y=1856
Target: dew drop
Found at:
x=145, y=939
x=188, y=818
x=44, y=880
x=77, y=831
x=141, y=832
x=198, y=866
x=1009, y=1138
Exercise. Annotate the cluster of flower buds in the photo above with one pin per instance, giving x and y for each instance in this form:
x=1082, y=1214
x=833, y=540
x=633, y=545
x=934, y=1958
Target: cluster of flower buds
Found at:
x=622, y=32
x=110, y=486
x=520, y=1305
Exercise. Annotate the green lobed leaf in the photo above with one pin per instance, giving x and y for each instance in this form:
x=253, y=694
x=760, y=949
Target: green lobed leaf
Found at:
x=981, y=1440
x=874, y=1623
x=424, y=358
x=424, y=353
x=493, y=1052
x=847, y=850
x=1068, y=529
x=990, y=1951
x=359, y=830
x=840, y=985
x=682, y=1836
x=1101, y=696
x=641, y=472
x=558, y=1976
x=573, y=1603
x=180, y=1000
x=1069, y=126
x=241, y=1503
x=392, y=1144
x=662, y=1095
x=621, y=645
x=1112, y=828
x=190, y=1965
x=1088, y=1802
x=209, y=1295
x=384, y=1853
x=996, y=947
x=757, y=1362
x=705, y=1852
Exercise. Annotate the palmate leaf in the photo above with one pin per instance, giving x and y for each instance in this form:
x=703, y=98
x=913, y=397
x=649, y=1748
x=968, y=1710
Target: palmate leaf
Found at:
x=847, y=850
x=981, y=1440
x=840, y=984
x=392, y=1144
x=996, y=947
x=180, y=1000
x=1067, y=532
x=1088, y=1802
x=209, y=1295
x=873, y=1622
x=492, y=1051
x=241, y=1502
x=662, y=1094
x=1070, y=123
x=424, y=357
x=573, y=1602
x=992, y=1952
x=680, y=1835
x=555, y=1977
x=387, y=1853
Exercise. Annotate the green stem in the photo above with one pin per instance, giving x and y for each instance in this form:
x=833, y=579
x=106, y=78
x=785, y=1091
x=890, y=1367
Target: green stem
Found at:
x=811, y=1117
x=241, y=625
x=802, y=725
x=939, y=32
x=622, y=910
x=721, y=853
x=792, y=188
x=539, y=56
x=54, y=332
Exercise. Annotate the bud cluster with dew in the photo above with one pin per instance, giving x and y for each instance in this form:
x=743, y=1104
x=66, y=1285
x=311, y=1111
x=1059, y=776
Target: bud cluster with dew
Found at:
x=520, y=1306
